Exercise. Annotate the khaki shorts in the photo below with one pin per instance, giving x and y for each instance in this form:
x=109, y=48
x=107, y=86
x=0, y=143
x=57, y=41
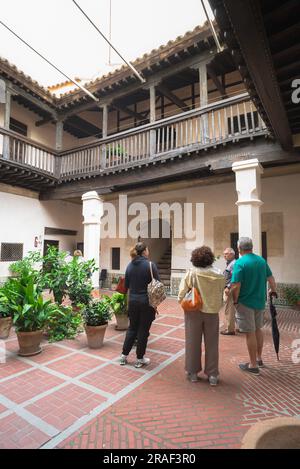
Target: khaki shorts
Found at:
x=249, y=319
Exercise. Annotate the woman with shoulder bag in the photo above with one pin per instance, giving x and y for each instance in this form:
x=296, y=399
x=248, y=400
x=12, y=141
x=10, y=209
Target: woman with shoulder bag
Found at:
x=141, y=313
x=209, y=285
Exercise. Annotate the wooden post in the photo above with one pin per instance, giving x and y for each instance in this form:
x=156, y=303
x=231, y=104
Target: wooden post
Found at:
x=59, y=135
x=104, y=120
x=6, y=123
x=104, y=134
x=152, y=119
x=59, y=129
x=203, y=94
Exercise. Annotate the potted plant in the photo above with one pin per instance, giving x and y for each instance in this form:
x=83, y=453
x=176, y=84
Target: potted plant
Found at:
x=96, y=315
x=118, y=304
x=292, y=295
x=114, y=283
x=54, y=273
x=30, y=316
x=79, y=285
x=62, y=323
x=5, y=315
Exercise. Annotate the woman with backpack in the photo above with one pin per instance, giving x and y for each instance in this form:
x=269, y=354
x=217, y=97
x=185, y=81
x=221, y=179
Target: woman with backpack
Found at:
x=209, y=284
x=141, y=314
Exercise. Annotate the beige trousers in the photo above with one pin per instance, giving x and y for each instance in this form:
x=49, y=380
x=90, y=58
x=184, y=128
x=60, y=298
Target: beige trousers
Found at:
x=198, y=324
x=229, y=313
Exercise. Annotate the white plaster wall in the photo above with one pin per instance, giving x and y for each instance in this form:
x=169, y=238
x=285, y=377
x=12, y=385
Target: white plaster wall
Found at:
x=282, y=194
x=22, y=218
x=279, y=194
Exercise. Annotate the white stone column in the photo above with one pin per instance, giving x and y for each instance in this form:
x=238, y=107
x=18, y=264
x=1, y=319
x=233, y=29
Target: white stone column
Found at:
x=92, y=210
x=248, y=187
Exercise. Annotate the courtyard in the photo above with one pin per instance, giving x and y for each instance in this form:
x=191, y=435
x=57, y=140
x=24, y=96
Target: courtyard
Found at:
x=73, y=397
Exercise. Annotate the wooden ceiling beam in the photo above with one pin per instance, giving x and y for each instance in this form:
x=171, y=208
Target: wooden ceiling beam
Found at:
x=128, y=111
x=212, y=74
x=247, y=22
x=172, y=97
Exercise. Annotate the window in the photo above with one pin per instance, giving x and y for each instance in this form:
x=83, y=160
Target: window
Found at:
x=115, y=258
x=234, y=239
x=251, y=125
x=18, y=127
x=11, y=252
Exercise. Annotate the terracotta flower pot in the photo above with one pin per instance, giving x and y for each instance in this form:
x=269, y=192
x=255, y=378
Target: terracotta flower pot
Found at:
x=122, y=322
x=95, y=335
x=29, y=343
x=277, y=433
x=5, y=327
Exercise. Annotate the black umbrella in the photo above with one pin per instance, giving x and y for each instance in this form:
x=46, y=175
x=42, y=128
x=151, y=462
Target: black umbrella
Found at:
x=275, y=330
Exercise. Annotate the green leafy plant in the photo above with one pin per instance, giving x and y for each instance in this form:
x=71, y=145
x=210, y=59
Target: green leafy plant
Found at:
x=115, y=280
x=27, y=268
x=62, y=323
x=79, y=285
x=31, y=311
x=97, y=312
x=118, y=303
x=55, y=273
x=5, y=309
x=116, y=150
x=292, y=295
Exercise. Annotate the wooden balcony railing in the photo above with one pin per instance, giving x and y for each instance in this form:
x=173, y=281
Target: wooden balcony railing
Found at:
x=26, y=152
x=228, y=120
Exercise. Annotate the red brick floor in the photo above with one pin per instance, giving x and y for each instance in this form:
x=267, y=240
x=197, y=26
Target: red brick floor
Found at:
x=73, y=397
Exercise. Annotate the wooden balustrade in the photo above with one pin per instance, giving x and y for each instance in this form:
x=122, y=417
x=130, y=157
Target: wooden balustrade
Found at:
x=21, y=150
x=227, y=120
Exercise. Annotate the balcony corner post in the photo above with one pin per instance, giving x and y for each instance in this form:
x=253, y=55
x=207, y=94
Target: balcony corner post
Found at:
x=7, y=114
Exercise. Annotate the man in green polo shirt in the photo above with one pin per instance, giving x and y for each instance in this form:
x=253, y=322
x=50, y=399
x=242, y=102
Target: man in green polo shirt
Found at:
x=248, y=284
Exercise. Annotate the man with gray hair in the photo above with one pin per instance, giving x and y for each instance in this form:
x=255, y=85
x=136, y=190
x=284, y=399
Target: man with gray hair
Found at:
x=229, y=309
x=248, y=283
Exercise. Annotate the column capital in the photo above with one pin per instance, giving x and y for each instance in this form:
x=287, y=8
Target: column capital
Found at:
x=201, y=63
x=91, y=195
x=247, y=164
x=152, y=83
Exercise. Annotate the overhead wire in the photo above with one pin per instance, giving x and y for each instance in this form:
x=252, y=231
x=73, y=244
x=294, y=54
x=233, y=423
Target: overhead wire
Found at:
x=50, y=63
x=139, y=75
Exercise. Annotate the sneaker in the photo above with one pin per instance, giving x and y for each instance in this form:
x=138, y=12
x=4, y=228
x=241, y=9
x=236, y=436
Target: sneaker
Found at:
x=260, y=364
x=213, y=380
x=246, y=367
x=142, y=362
x=123, y=360
x=227, y=333
x=193, y=377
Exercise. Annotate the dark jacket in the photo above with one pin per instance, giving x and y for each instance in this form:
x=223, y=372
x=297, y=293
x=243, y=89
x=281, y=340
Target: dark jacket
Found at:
x=137, y=278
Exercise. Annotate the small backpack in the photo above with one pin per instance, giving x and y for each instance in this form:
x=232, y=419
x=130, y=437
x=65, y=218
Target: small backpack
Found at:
x=156, y=291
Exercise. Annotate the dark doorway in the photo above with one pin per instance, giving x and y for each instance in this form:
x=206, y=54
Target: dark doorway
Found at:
x=80, y=247
x=50, y=242
x=234, y=239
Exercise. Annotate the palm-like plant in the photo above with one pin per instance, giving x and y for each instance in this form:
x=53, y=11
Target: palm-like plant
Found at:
x=31, y=311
